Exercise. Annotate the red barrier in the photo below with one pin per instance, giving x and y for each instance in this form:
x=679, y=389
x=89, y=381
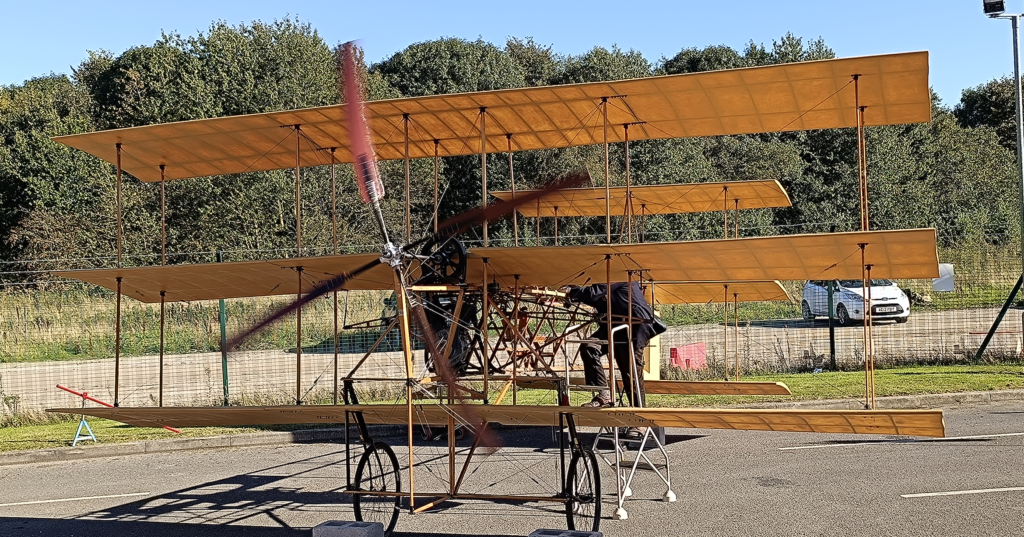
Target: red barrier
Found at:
x=85, y=395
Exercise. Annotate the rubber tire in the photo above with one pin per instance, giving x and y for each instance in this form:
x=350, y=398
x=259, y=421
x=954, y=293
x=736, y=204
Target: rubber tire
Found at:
x=805, y=310
x=902, y=320
x=373, y=463
x=842, y=316
x=583, y=465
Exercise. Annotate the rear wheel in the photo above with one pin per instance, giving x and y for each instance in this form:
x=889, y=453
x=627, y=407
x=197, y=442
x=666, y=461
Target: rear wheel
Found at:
x=842, y=316
x=805, y=309
x=583, y=492
x=378, y=472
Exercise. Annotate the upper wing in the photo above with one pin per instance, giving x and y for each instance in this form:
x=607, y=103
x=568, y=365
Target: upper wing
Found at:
x=889, y=422
x=773, y=98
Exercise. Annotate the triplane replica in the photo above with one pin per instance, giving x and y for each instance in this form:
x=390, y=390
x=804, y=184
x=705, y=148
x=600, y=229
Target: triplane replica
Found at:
x=491, y=320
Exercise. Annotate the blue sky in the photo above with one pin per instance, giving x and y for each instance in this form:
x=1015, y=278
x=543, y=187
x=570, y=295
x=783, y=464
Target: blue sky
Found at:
x=966, y=48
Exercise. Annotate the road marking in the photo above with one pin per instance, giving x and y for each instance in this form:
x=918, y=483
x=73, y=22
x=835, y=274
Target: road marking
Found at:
x=959, y=492
x=76, y=499
x=908, y=441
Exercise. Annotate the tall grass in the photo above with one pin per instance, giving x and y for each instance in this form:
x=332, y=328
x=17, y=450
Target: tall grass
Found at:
x=72, y=322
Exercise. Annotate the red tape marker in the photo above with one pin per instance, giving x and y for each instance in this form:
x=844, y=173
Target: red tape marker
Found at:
x=85, y=395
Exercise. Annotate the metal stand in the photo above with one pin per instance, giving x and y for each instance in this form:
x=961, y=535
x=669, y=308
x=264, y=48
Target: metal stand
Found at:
x=624, y=478
x=79, y=435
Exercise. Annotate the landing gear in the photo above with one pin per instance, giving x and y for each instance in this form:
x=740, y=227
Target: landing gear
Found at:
x=378, y=472
x=583, y=492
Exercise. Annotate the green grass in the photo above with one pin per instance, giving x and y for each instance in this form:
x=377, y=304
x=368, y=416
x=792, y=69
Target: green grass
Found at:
x=61, y=434
x=73, y=323
x=844, y=385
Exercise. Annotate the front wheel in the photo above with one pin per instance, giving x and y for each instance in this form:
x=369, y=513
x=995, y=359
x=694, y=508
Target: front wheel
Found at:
x=805, y=309
x=583, y=492
x=842, y=316
x=378, y=472
x=902, y=320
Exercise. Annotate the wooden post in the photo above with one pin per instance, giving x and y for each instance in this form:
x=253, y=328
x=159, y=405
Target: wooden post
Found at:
x=515, y=214
x=725, y=351
x=408, y=192
x=736, y=217
x=298, y=192
x=607, y=185
x=120, y=216
x=160, y=383
x=725, y=214
x=163, y=294
x=436, y=208
x=298, y=344
x=403, y=316
x=483, y=320
x=334, y=237
x=117, y=345
x=865, y=306
x=556, y=225
x=608, y=325
x=736, y=331
x=163, y=218
x=628, y=209
x=483, y=167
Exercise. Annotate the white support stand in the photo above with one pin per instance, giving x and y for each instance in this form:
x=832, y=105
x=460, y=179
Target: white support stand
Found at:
x=624, y=478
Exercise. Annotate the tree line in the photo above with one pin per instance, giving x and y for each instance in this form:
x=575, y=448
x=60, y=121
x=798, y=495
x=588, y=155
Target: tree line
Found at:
x=957, y=173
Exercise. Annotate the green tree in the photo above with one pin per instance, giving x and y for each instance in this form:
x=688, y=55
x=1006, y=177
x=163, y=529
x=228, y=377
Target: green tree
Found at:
x=991, y=104
x=450, y=65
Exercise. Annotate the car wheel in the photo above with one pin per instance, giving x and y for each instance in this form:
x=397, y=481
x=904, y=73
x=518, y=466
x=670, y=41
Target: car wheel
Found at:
x=805, y=309
x=842, y=316
x=902, y=320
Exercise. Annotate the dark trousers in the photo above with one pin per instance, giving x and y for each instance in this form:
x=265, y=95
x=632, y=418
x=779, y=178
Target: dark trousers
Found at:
x=593, y=367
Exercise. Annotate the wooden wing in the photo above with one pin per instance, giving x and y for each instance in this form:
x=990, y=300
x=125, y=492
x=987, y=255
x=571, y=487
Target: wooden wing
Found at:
x=888, y=422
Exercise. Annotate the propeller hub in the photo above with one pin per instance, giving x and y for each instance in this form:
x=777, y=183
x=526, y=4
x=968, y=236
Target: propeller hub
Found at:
x=392, y=255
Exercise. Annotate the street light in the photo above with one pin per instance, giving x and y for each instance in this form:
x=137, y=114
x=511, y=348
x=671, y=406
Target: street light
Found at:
x=994, y=9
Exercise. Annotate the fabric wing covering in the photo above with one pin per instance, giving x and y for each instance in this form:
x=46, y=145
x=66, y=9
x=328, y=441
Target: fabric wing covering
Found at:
x=887, y=422
x=656, y=199
x=908, y=254
x=776, y=98
x=716, y=292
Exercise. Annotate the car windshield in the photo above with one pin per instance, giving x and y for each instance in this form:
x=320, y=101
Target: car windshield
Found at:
x=852, y=284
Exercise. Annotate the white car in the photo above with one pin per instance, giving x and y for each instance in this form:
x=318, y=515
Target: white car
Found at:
x=888, y=301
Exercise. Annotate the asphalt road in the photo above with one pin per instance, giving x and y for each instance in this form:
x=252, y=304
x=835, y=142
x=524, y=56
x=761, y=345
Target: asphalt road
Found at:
x=727, y=483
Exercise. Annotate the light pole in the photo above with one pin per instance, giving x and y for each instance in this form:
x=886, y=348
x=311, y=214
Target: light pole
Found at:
x=995, y=9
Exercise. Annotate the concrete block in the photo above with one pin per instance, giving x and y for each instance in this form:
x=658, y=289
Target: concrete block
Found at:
x=566, y=533
x=340, y=528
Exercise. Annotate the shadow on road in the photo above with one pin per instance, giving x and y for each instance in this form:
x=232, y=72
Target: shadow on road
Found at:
x=278, y=500
x=13, y=526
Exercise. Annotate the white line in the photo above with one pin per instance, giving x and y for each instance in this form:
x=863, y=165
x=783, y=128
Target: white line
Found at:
x=76, y=499
x=908, y=441
x=959, y=492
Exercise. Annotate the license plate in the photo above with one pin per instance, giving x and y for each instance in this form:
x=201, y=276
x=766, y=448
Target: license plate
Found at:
x=886, y=309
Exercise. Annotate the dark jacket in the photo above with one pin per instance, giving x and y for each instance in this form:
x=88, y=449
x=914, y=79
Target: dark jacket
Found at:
x=595, y=297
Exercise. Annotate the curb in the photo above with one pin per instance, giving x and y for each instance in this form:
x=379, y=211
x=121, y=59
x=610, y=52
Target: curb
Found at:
x=945, y=400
